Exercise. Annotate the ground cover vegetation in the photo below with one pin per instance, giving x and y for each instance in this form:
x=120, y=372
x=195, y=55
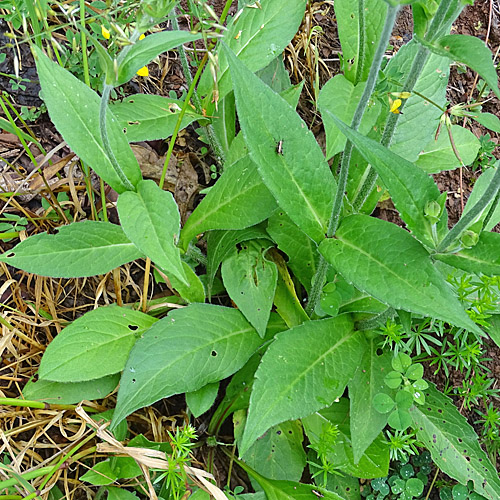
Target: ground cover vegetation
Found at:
x=299, y=319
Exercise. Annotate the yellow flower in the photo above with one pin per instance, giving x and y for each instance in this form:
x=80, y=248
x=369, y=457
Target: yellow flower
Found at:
x=143, y=71
x=142, y=37
x=105, y=33
x=395, y=105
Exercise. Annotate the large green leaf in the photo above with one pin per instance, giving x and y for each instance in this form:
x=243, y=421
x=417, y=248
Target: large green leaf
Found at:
x=301, y=250
x=303, y=370
x=360, y=26
x=340, y=97
x=484, y=257
x=366, y=422
x=150, y=218
x=190, y=348
x=66, y=394
x=95, y=345
x=383, y=260
x=279, y=454
x=74, y=110
x=286, y=153
x=220, y=244
x=147, y=117
x=417, y=125
x=145, y=50
x=250, y=280
x=472, y=52
x=453, y=444
x=238, y=200
x=80, y=249
x=374, y=462
x=477, y=192
x=438, y=155
x=257, y=36
x=409, y=187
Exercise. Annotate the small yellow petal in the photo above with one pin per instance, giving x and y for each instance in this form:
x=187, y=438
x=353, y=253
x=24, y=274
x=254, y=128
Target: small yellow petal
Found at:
x=142, y=37
x=143, y=71
x=105, y=33
x=395, y=105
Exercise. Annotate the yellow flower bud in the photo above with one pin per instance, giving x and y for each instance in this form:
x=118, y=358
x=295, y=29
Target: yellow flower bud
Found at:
x=143, y=71
x=105, y=33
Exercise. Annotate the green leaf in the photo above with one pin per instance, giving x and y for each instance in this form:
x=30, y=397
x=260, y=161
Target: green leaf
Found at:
x=150, y=218
x=453, y=444
x=366, y=422
x=147, y=117
x=8, y=127
x=383, y=260
x=238, y=200
x=67, y=394
x=220, y=244
x=303, y=370
x=201, y=400
x=194, y=291
x=145, y=50
x=250, y=280
x=190, y=348
x=95, y=345
x=279, y=454
x=224, y=124
x=410, y=188
x=301, y=250
x=338, y=450
x=257, y=36
x=484, y=257
x=488, y=120
x=80, y=249
x=101, y=474
x=294, y=173
x=359, y=36
x=74, y=110
x=438, y=155
x=479, y=188
x=382, y=403
x=472, y=52
x=340, y=97
x=417, y=125
x=115, y=493
x=494, y=328
x=346, y=486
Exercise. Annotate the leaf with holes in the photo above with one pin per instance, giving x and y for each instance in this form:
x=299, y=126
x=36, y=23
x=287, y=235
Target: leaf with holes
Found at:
x=190, y=348
x=453, y=444
x=303, y=370
x=80, y=249
x=95, y=345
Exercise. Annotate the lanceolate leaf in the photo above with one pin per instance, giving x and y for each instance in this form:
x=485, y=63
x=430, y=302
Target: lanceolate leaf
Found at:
x=145, y=50
x=366, y=422
x=453, y=444
x=484, y=257
x=383, y=260
x=257, y=36
x=286, y=153
x=95, y=345
x=238, y=200
x=250, y=280
x=488, y=120
x=409, y=187
x=304, y=370
x=472, y=52
x=70, y=393
x=80, y=249
x=359, y=32
x=190, y=348
x=150, y=218
x=147, y=117
x=74, y=110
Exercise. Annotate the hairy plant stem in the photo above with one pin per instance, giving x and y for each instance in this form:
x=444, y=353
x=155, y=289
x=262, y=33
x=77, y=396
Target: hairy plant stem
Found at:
x=333, y=223
x=361, y=42
x=419, y=62
x=470, y=217
x=211, y=135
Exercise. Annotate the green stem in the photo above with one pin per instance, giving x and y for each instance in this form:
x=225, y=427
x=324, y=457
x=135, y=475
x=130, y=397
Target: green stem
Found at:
x=492, y=209
x=23, y=403
x=318, y=279
x=361, y=42
x=439, y=21
x=470, y=217
x=8, y=483
x=105, y=139
x=83, y=35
